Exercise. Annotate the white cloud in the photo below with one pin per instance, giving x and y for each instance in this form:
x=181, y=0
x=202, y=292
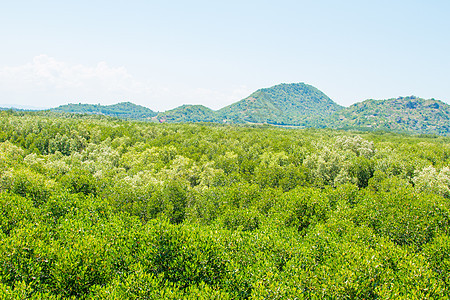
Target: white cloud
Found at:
x=48, y=82
x=45, y=73
x=49, y=77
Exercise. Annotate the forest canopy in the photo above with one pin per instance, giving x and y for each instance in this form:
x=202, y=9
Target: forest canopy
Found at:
x=100, y=208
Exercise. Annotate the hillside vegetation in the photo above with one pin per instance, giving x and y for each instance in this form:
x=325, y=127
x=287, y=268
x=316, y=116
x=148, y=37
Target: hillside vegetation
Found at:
x=404, y=114
x=189, y=113
x=99, y=208
x=125, y=110
x=283, y=104
x=299, y=105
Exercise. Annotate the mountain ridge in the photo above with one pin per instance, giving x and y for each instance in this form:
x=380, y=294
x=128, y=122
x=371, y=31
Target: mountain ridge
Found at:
x=189, y=113
x=282, y=104
x=299, y=105
x=125, y=110
x=403, y=114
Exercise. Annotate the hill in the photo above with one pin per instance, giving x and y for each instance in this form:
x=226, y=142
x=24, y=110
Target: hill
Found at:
x=283, y=104
x=297, y=104
x=20, y=107
x=188, y=113
x=403, y=114
x=126, y=110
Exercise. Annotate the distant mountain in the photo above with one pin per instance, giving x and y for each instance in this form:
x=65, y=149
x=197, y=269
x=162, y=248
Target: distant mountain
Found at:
x=404, y=114
x=126, y=110
x=297, y=104
x=20, y=107
x=283, y=104
x=189, y=113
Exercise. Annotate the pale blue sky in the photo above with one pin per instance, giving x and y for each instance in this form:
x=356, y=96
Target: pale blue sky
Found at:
x=162, y=54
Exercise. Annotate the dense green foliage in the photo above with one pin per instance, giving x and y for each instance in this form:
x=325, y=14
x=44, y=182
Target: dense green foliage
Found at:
x=101, y=208
x=189, y=113
x=125, y=110
x=283, y=104
x=404, y=114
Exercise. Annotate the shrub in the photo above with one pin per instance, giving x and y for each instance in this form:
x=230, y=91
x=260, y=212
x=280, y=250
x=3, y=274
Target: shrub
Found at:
x=15, y=210
x=28, y=184
x=80, y=181
x=300, y=208
x=243, y=219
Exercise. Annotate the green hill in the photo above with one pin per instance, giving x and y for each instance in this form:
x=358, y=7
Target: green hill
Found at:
x=188, y=113
x=297, y=104
x=126, y=110
x=283, y=104
x=404, y=114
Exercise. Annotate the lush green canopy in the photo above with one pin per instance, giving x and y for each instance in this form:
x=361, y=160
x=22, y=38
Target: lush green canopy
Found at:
x=101, y=208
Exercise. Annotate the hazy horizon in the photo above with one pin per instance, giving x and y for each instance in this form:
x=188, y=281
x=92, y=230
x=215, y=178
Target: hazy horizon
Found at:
x=30, y=107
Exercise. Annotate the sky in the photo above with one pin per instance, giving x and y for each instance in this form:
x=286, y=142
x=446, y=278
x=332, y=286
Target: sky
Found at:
x=162, y=54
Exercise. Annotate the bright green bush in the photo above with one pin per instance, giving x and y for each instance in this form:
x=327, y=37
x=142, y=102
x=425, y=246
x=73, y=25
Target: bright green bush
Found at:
x=80, y=181
x=300, y=208
x=15, y=211
x=243, y=219
x=10, y=155
x=438, y=254
x=403, y=215
x=182, y=255
x=27, y=183
x=27, y=257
